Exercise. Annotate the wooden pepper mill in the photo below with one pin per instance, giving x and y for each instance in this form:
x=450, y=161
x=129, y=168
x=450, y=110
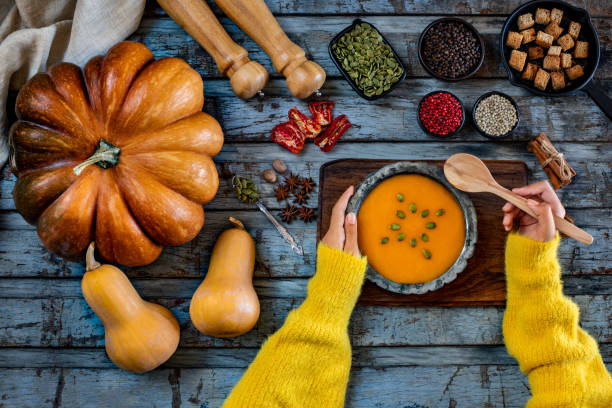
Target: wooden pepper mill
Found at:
x=304, y=77
x=247, y=78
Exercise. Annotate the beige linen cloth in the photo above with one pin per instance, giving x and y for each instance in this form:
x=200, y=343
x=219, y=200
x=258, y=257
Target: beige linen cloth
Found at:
x=35, y=34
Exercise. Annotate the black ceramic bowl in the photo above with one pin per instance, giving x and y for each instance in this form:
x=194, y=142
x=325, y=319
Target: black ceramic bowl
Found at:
x=482, y=132
x=346, y=75
x=570, y=13
x=471, y=28
x=434, y=134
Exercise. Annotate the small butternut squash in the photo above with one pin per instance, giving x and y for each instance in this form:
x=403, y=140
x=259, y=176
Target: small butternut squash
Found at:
x=225, y=304
x=139, y=335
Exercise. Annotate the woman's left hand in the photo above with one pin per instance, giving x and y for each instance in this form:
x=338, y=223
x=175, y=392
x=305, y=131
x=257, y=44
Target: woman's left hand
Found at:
x=342, y=232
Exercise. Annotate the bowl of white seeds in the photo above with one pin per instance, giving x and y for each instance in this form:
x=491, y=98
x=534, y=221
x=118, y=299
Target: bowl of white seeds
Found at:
x=495, y=115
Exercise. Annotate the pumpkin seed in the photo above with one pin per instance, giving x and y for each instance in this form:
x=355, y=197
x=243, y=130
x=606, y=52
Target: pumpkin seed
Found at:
x=401, y=214
x=425, y=213
x=426, y=254
x=413, y=242
x=394, y=227
x=424, y=237
x=384, y=240
x=430, y=225
x=400, y=197
x=413, y=208
x=440, y=212
x=401, y=237
x=367, y=59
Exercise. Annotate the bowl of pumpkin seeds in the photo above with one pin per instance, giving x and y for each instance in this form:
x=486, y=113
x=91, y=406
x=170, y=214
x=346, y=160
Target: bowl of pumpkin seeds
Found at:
x=366, y=60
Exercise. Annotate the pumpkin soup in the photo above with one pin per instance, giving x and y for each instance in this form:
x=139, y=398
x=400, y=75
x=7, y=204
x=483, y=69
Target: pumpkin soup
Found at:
x=411, y=228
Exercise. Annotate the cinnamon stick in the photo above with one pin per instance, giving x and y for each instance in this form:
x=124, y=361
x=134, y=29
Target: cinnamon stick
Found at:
x=551, y=160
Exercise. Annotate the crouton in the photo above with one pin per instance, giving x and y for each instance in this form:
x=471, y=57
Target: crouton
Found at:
x=543, y=39
x=558, y=80
x=556, y=16
x=566, y=60
x=541, y=79
x=525, y=21
x=542, y=16
x=554, y=30
x=530, y=71
x=555, y=51
x=566, y=42
x=574, y=29
x=574, y=72
x=517, y=59
x=535, y=53
x=551, y=63
x=514, y=39
x=528, y=35
x=581, y=50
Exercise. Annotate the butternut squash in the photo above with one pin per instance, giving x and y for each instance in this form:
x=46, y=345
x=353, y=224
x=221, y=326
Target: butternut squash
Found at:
x=139, y=335
x=225, y=304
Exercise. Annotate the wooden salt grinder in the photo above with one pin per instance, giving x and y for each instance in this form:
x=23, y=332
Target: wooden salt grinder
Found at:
x=304, y=77
x=247, y=78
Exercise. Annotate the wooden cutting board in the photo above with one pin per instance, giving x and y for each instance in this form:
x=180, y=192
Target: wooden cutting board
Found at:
x=482, y=282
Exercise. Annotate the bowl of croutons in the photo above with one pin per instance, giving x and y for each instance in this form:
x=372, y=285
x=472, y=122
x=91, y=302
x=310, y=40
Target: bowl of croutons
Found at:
x=549, y=47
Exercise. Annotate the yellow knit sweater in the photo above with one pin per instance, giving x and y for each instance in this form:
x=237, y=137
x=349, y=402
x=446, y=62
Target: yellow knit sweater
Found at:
x=307, y=362
x=542, y=332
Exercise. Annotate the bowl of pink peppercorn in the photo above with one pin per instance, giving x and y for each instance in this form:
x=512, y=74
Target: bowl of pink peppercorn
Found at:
x=440, y=113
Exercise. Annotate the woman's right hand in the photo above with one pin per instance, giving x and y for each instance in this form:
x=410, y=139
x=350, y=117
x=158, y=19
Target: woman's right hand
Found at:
x=543, y=200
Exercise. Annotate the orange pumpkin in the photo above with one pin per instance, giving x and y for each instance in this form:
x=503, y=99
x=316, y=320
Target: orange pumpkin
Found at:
x=119, y=153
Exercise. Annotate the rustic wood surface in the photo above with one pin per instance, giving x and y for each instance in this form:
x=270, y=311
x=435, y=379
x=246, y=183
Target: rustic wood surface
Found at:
x=483, y=280
x=52, y=345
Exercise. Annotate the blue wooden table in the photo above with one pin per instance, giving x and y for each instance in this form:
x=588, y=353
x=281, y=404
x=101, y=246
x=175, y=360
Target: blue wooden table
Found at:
x=52, y=345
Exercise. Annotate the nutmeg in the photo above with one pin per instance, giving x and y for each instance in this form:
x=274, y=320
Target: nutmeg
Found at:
x=279, y=166
x=269, y=176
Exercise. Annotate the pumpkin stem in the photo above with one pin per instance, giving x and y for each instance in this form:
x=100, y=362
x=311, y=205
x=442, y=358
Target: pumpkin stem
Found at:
x=237, y=223
x=90, y=261
x=105, y=156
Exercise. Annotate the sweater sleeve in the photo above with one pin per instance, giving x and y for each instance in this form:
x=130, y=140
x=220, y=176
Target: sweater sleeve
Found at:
x=542, y=332
x=307, y=362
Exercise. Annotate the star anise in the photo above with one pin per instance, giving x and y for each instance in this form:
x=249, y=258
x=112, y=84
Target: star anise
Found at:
x=292, y=182
x=307, y=184
x=288, y=213
x=281, y=193
x=306, y=214
x=301, y=197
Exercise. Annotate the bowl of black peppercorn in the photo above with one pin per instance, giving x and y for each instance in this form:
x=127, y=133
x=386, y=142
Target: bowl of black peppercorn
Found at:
x=451, y=49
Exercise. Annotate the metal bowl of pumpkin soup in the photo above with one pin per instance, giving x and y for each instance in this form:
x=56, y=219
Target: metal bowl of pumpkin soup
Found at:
x=394, y=240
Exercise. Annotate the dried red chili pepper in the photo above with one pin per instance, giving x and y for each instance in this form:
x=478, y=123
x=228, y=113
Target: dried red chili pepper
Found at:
x=321, y=111
x=327, y=140
x=308, y=126
x=289, y=136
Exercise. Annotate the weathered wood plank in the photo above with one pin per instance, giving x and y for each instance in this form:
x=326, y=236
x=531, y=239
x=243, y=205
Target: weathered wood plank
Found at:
x=591, y=188
x=316, y=7
x=168, y=40
x=69, y=322
x=389, y=387
x=183, y=288
x=240, y=358
x=394, y=118
x=23, y=255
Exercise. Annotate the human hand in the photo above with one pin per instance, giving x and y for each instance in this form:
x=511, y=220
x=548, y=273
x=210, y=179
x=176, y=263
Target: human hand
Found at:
x=342, y=232
x=543, y=201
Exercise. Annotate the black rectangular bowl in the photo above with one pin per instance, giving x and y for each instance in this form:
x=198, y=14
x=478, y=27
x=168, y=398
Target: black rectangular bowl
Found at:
x=346, y=75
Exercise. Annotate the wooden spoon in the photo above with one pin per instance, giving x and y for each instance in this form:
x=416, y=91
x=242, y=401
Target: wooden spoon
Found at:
x=304, y=77
x=470, y=174
x=247, y=77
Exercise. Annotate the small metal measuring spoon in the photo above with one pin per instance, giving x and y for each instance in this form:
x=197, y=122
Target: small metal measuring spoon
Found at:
x=281, y=230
